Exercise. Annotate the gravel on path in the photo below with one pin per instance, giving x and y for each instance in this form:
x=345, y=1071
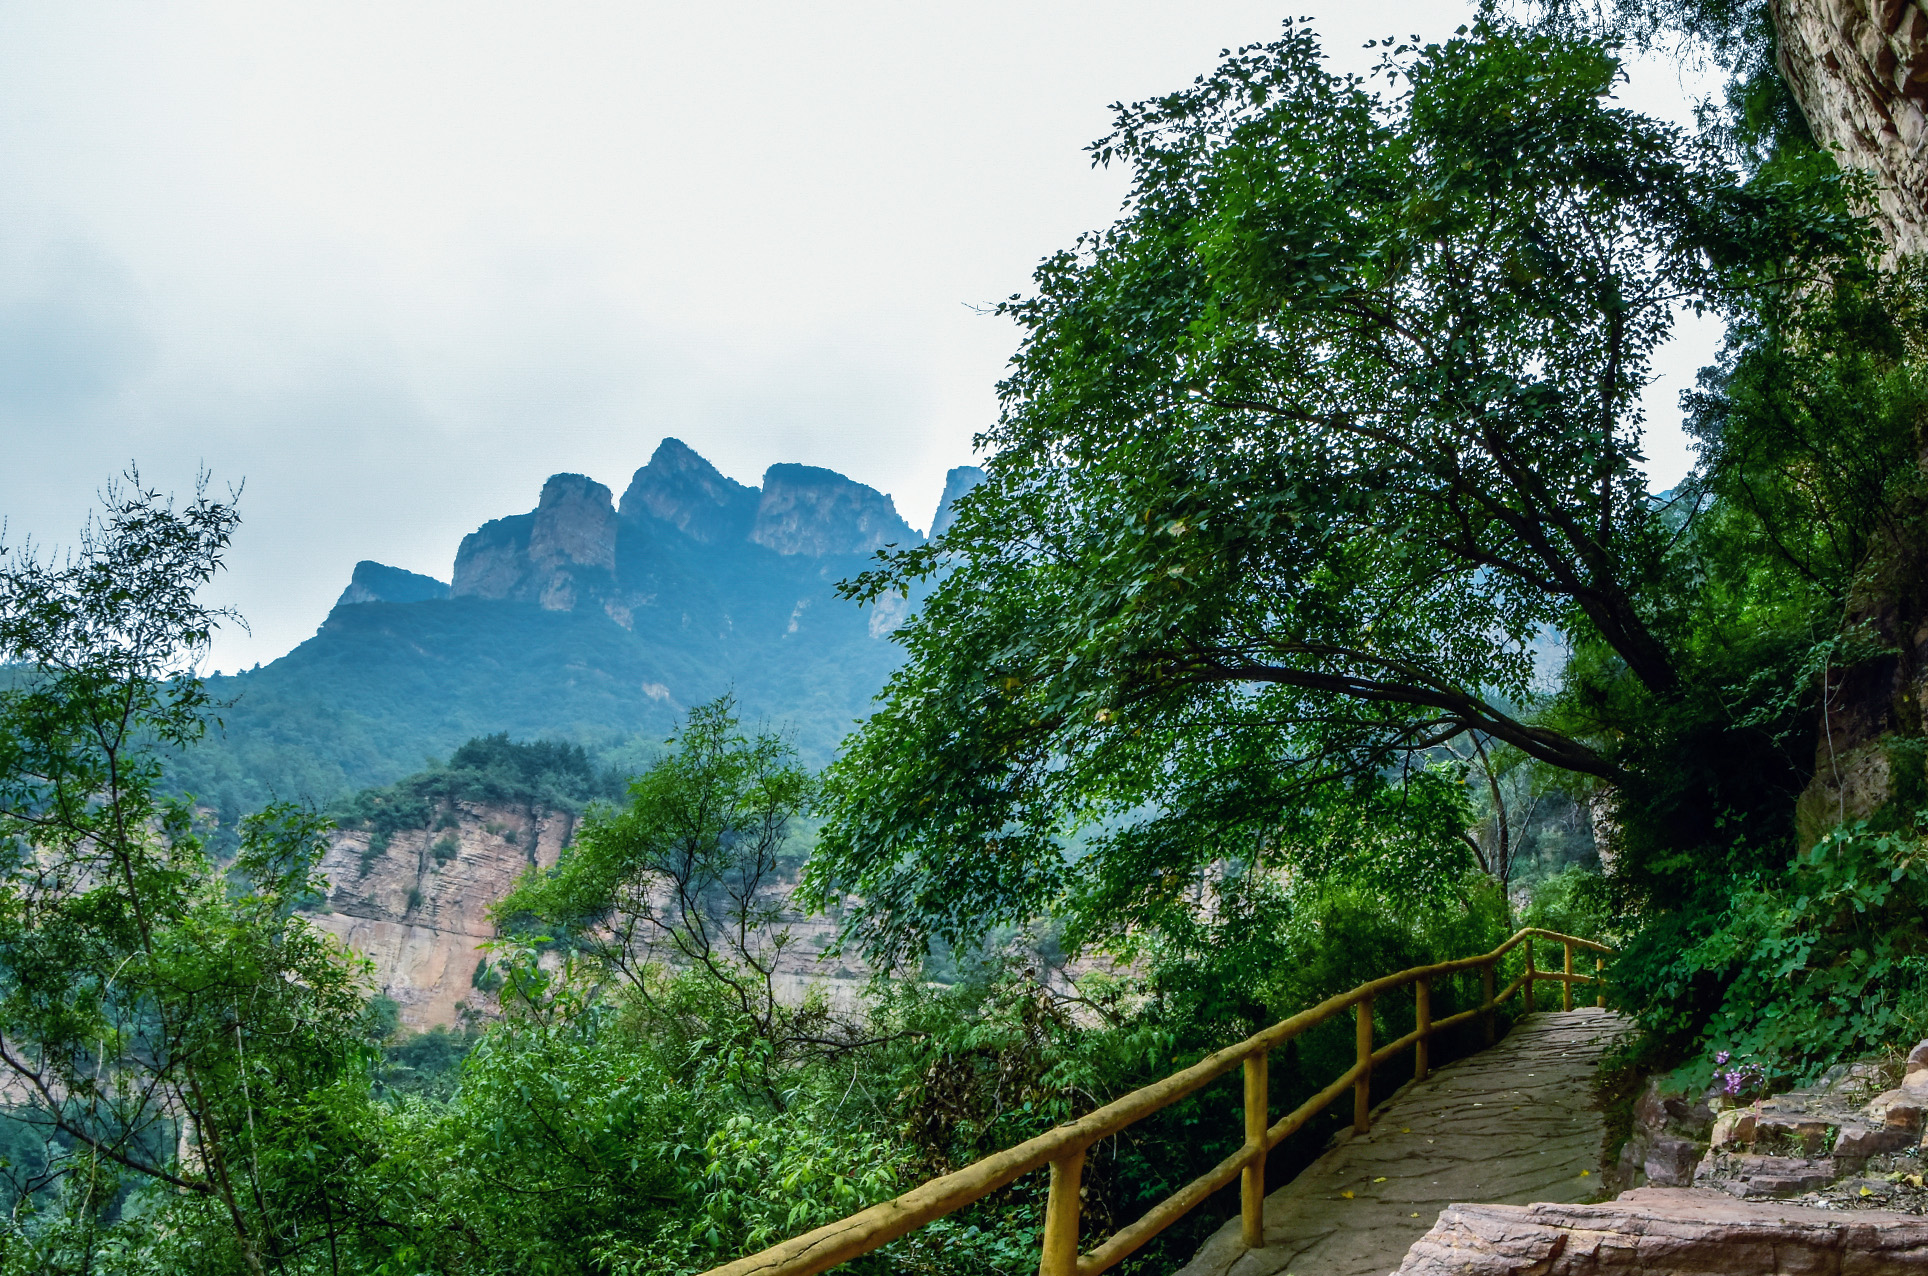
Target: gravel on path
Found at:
x=1510, y=1125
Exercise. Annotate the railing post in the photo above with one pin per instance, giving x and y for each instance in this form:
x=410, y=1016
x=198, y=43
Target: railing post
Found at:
x=1258, y=1110
x=1060, y=1257
x=1423, y=1022
x=1362, y=1088
x=1529, y=974
x=1566, y=985
x=1486, y=997
x=1599, y=982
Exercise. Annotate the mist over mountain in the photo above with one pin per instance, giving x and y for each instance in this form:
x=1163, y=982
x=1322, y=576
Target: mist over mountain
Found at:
x=587, y=619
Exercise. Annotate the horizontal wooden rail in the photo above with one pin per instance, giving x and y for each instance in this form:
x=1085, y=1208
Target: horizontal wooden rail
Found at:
x=1063, y=1149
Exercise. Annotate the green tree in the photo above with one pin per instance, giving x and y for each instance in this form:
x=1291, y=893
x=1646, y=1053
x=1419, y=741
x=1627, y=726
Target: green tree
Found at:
x=170, y=1029
x=689, y=875
x=1302, y=468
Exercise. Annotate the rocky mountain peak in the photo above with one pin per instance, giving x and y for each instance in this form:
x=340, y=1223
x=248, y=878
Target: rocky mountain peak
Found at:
x=575, y=524
x=957, y=482
x=687, y=492
x=546, y=556
x=375, y=582
x=806, y=510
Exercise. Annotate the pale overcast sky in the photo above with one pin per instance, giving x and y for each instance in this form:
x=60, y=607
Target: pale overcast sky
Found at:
x=393, y=264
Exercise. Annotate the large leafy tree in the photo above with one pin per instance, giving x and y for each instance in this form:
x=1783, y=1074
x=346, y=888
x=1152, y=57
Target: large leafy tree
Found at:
x=169, y=1025
x=1302, y=467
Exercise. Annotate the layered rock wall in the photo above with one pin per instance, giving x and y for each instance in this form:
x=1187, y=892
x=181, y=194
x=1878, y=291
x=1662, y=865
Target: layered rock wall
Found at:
x=1859, y=69
x=418, y=909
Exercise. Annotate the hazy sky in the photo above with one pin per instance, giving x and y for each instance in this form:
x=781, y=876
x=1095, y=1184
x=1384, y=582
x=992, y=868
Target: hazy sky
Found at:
x=393, y=264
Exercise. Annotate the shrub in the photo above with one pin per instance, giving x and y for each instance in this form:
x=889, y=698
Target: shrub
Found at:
x=1824, y=961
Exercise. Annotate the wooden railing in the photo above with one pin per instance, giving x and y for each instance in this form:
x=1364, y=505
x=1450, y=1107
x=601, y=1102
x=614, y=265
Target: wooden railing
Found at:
x=1063, y=1149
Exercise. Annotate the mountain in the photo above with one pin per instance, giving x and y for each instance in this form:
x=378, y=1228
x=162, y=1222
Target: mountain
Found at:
x=588, y=619
x=956, y=483
x=374, y=583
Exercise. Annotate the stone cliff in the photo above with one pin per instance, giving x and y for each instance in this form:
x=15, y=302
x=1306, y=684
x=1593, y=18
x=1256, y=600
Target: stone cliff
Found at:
x=418, y=908
x=562, y=550
x=578, y=546
x=373, y=582
x=805, y=510
x=957, y=482
x=1859, y=69
x=688, y=493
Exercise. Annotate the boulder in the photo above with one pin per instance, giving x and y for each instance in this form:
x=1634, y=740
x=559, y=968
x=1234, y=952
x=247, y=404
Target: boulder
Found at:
x=1734, y=1126
x=1859, y=1142
x=1753, y=1177
x=1670, y=1130
x=1670, y=1162
x=1667, y=1232
x=1897, y=1110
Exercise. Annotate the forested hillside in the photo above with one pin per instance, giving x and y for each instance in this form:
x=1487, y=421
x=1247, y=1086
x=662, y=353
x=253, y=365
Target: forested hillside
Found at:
x=1315, y=618
x=581, y=620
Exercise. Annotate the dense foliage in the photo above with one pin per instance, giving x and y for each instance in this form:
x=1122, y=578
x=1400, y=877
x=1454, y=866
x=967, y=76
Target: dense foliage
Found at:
x=1316, y=621
x=163, y=1025
x=1313, y=465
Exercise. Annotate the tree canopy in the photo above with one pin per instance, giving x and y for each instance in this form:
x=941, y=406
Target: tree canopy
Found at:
x=1305, y=468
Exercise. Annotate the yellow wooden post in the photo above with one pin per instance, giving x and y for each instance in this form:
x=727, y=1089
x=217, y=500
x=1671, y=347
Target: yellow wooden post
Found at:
x=1252, y=1180
x=1566, y=985
x=1529, y=976
x=1362, y=1088
x=1060, y=1257
x=1486, y=999
x=1423, y=1023
x=1599, y=982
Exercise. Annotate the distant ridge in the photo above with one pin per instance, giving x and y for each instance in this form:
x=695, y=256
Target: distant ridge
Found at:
x=377, y=583
x=586, y=618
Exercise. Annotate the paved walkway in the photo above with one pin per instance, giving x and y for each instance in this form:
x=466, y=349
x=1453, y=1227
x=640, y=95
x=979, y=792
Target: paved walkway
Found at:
x=1510, y=1125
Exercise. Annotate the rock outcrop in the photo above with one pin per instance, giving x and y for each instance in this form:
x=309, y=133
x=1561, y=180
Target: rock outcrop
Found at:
x=957, y=482
x=1799, y=1142
x=1658, y=1231
x=685, y=491
x=416, y=904
x=417, y=907
x=374, y=582
x=555, y=555
x=806, y=510
x=1859, y=69
x=577, y=546
x=1671, y=1131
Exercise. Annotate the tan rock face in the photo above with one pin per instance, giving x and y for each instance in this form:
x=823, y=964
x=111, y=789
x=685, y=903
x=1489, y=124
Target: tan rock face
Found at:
x=1859, y=69
x=1667, y=1232
x=419, y=909
x=549, y=556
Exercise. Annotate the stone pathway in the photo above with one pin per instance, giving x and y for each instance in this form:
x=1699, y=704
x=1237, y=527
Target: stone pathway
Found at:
x=1510, y=1125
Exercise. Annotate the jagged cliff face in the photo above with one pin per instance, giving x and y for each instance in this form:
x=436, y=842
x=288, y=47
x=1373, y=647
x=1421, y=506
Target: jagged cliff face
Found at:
x=582, y=619
x=1859, y=69
x=805, y=510
x=683, y=490
x=957, y=482
x=419, y=909
x=577, y=546
x=374, y=583
x=558, y=553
